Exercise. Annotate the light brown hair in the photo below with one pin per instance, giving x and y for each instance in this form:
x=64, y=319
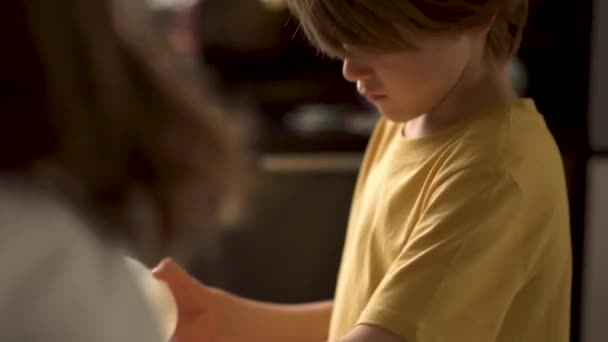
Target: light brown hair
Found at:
x=98, y=99
x=380, y=24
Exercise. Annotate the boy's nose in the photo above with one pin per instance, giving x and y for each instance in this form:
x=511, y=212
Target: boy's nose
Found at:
x=354, y=71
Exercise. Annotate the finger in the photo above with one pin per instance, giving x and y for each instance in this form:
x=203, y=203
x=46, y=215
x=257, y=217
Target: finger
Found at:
x=180, y=282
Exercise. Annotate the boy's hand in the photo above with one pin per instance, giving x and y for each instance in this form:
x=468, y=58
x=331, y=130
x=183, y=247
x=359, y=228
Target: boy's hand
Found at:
x=198, y=312
x=206, y=314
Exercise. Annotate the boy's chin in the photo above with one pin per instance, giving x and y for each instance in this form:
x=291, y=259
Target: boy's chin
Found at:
x=394, y=114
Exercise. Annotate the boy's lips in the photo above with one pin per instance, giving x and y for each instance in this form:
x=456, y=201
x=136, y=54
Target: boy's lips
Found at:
x=374, y=97
x=371, y=95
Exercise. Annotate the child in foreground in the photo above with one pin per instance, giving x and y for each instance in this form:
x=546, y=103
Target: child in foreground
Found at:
x=459, y=229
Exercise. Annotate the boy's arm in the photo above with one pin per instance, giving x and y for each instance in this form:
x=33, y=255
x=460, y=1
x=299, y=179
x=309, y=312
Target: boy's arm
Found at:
x=210, y=314
x=258, y=321
x=369, y=333
x=253, y=321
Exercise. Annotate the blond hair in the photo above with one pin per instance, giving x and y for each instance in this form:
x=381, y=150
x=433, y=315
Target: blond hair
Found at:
x=380, y=24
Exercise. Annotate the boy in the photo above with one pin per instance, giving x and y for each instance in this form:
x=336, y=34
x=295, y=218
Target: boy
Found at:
x=459, y=229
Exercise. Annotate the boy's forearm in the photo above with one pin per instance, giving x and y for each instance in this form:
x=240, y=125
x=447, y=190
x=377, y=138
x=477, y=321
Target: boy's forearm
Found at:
x=253, y=321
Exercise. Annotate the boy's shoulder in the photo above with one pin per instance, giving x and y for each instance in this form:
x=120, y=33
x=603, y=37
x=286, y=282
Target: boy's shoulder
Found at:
x=513, y=134
x=504, y=139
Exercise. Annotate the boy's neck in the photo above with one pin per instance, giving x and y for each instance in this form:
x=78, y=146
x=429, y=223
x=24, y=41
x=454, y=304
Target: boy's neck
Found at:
x=475, y=91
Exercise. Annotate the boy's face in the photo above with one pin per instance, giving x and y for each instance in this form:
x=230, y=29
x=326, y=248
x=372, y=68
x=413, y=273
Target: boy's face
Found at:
x=406, y=84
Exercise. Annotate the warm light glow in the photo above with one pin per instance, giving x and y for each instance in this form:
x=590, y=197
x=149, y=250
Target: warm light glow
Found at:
x=171, y=4
x=274, y=4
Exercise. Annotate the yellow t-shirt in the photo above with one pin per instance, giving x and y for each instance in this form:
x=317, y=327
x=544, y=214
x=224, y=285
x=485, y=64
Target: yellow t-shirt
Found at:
x=462, y=236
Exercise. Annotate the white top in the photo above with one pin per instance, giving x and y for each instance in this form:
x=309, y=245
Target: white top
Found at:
x=58, y=282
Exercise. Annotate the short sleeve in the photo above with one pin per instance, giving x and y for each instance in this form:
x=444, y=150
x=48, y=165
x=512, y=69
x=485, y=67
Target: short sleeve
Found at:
x=462, y=266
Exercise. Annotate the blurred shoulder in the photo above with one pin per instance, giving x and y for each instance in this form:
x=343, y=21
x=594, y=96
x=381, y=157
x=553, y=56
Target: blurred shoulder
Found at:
x=60, y=281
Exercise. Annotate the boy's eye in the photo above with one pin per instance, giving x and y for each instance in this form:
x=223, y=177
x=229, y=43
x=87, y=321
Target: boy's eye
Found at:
x=350, y=51
x=339, y=57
